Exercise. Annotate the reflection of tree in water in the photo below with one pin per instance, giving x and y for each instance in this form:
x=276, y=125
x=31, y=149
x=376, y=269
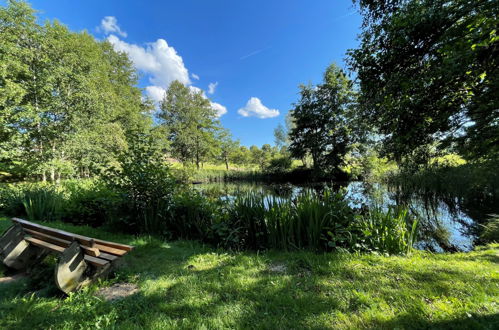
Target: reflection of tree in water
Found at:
x=435, y=209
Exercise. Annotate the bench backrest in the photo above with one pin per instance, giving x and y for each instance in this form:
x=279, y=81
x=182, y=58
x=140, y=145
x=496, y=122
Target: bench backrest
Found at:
x=97, y=252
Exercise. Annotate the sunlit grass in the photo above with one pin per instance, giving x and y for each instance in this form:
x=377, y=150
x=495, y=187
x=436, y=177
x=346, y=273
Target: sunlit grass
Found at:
x=186, y=285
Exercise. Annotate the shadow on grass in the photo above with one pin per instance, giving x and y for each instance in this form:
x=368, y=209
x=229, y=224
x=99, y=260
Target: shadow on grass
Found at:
x=186, y=285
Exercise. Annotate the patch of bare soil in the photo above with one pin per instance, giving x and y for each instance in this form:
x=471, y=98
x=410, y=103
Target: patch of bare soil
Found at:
x=278, y=268
x=118, y=291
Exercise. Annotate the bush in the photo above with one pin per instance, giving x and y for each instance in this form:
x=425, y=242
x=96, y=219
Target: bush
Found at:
x=89, y=202
x=145, y=186
x=279, y=165
x=192, y=215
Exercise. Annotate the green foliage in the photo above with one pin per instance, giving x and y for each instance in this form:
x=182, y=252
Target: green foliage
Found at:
x=490, y=233
x=192, y=215
x=190, y=122
x=89, y=202
x=279, y=164
x=145, y=184
x=67, y=100
x=428, y=72
x=392, y=231
x=42, y=203
x=474, y=186
x=322, y=121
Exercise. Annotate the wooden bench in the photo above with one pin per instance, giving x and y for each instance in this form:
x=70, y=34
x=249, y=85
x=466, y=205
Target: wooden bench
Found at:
x=81, y=259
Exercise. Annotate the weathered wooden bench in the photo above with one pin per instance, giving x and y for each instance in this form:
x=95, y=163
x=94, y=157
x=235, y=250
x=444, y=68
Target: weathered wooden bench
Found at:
x=81, y=259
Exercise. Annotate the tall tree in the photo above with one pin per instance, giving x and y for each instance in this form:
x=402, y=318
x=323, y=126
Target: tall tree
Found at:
x=322, y=121
x=429, y=72
x=66, y=100
x=191, y=123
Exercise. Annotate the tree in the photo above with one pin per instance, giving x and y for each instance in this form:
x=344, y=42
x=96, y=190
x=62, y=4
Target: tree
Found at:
x=66, y=100
x=280, y=136
x=227, y=147
x=241, y=156
x=191, y=123
x=429, y=72
x=322, y=121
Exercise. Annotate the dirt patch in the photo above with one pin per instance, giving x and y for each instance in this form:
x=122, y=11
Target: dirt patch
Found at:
x=10, y=279
x=118, y=291
x=278, y=268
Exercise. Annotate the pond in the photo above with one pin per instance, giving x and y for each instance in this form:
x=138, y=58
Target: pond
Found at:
x=443, y=225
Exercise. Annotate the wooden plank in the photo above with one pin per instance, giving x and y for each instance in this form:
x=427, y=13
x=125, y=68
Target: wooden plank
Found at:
x=97, y=262
x=107, y=256
x=47, y=238
x=94, y=252
x=59, y=249
x=45, y=245
x=110, y=250
x=83, y=240
x=118, y=246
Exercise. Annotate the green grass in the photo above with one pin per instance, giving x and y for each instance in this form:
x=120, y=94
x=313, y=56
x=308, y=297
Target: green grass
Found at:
x=186, y=285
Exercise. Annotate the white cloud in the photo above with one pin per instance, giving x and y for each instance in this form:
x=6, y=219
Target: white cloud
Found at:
x=109, y=24
x=156, y=93
x=220, y=109
x=157, y=59
x=255, y=108
x=160, y=62
x=212, y=87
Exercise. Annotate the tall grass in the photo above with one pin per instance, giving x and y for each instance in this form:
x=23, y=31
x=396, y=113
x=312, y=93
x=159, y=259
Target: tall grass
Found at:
x=392, y=231
x=319, y=221
x=42, y=203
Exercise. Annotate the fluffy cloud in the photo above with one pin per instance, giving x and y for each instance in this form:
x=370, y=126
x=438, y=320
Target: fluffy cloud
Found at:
x=156, y=93
x=255, y=108
x=109, y=24
x=157, y=59
x=212, y=87
x=220, y=109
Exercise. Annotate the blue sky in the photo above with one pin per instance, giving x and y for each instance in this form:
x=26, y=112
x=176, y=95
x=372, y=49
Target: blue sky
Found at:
x=256, y=53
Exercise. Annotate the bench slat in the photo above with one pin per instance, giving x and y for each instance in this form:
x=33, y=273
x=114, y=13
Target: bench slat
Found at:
x=59, y=249
x=125, y=247
x=109, y=257
x=94, y=252
x=45, y=245
x=110, y=250
x=83, y=240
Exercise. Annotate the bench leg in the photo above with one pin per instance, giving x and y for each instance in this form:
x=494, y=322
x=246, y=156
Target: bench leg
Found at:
x=71, y=268
x=15, y=252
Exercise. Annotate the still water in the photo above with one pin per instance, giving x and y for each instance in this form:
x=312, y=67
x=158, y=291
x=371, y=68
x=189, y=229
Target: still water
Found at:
x=443, y=225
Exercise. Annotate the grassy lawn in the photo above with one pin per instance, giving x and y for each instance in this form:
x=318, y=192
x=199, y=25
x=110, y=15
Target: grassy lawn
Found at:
x=187, y=285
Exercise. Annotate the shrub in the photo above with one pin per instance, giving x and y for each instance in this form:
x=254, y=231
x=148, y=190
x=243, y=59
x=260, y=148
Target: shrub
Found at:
x=89, y=202
x=145, y=186
x=279, y=165
x=192, y=215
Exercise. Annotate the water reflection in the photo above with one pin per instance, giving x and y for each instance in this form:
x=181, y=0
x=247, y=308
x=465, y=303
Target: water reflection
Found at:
x=444, y=225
